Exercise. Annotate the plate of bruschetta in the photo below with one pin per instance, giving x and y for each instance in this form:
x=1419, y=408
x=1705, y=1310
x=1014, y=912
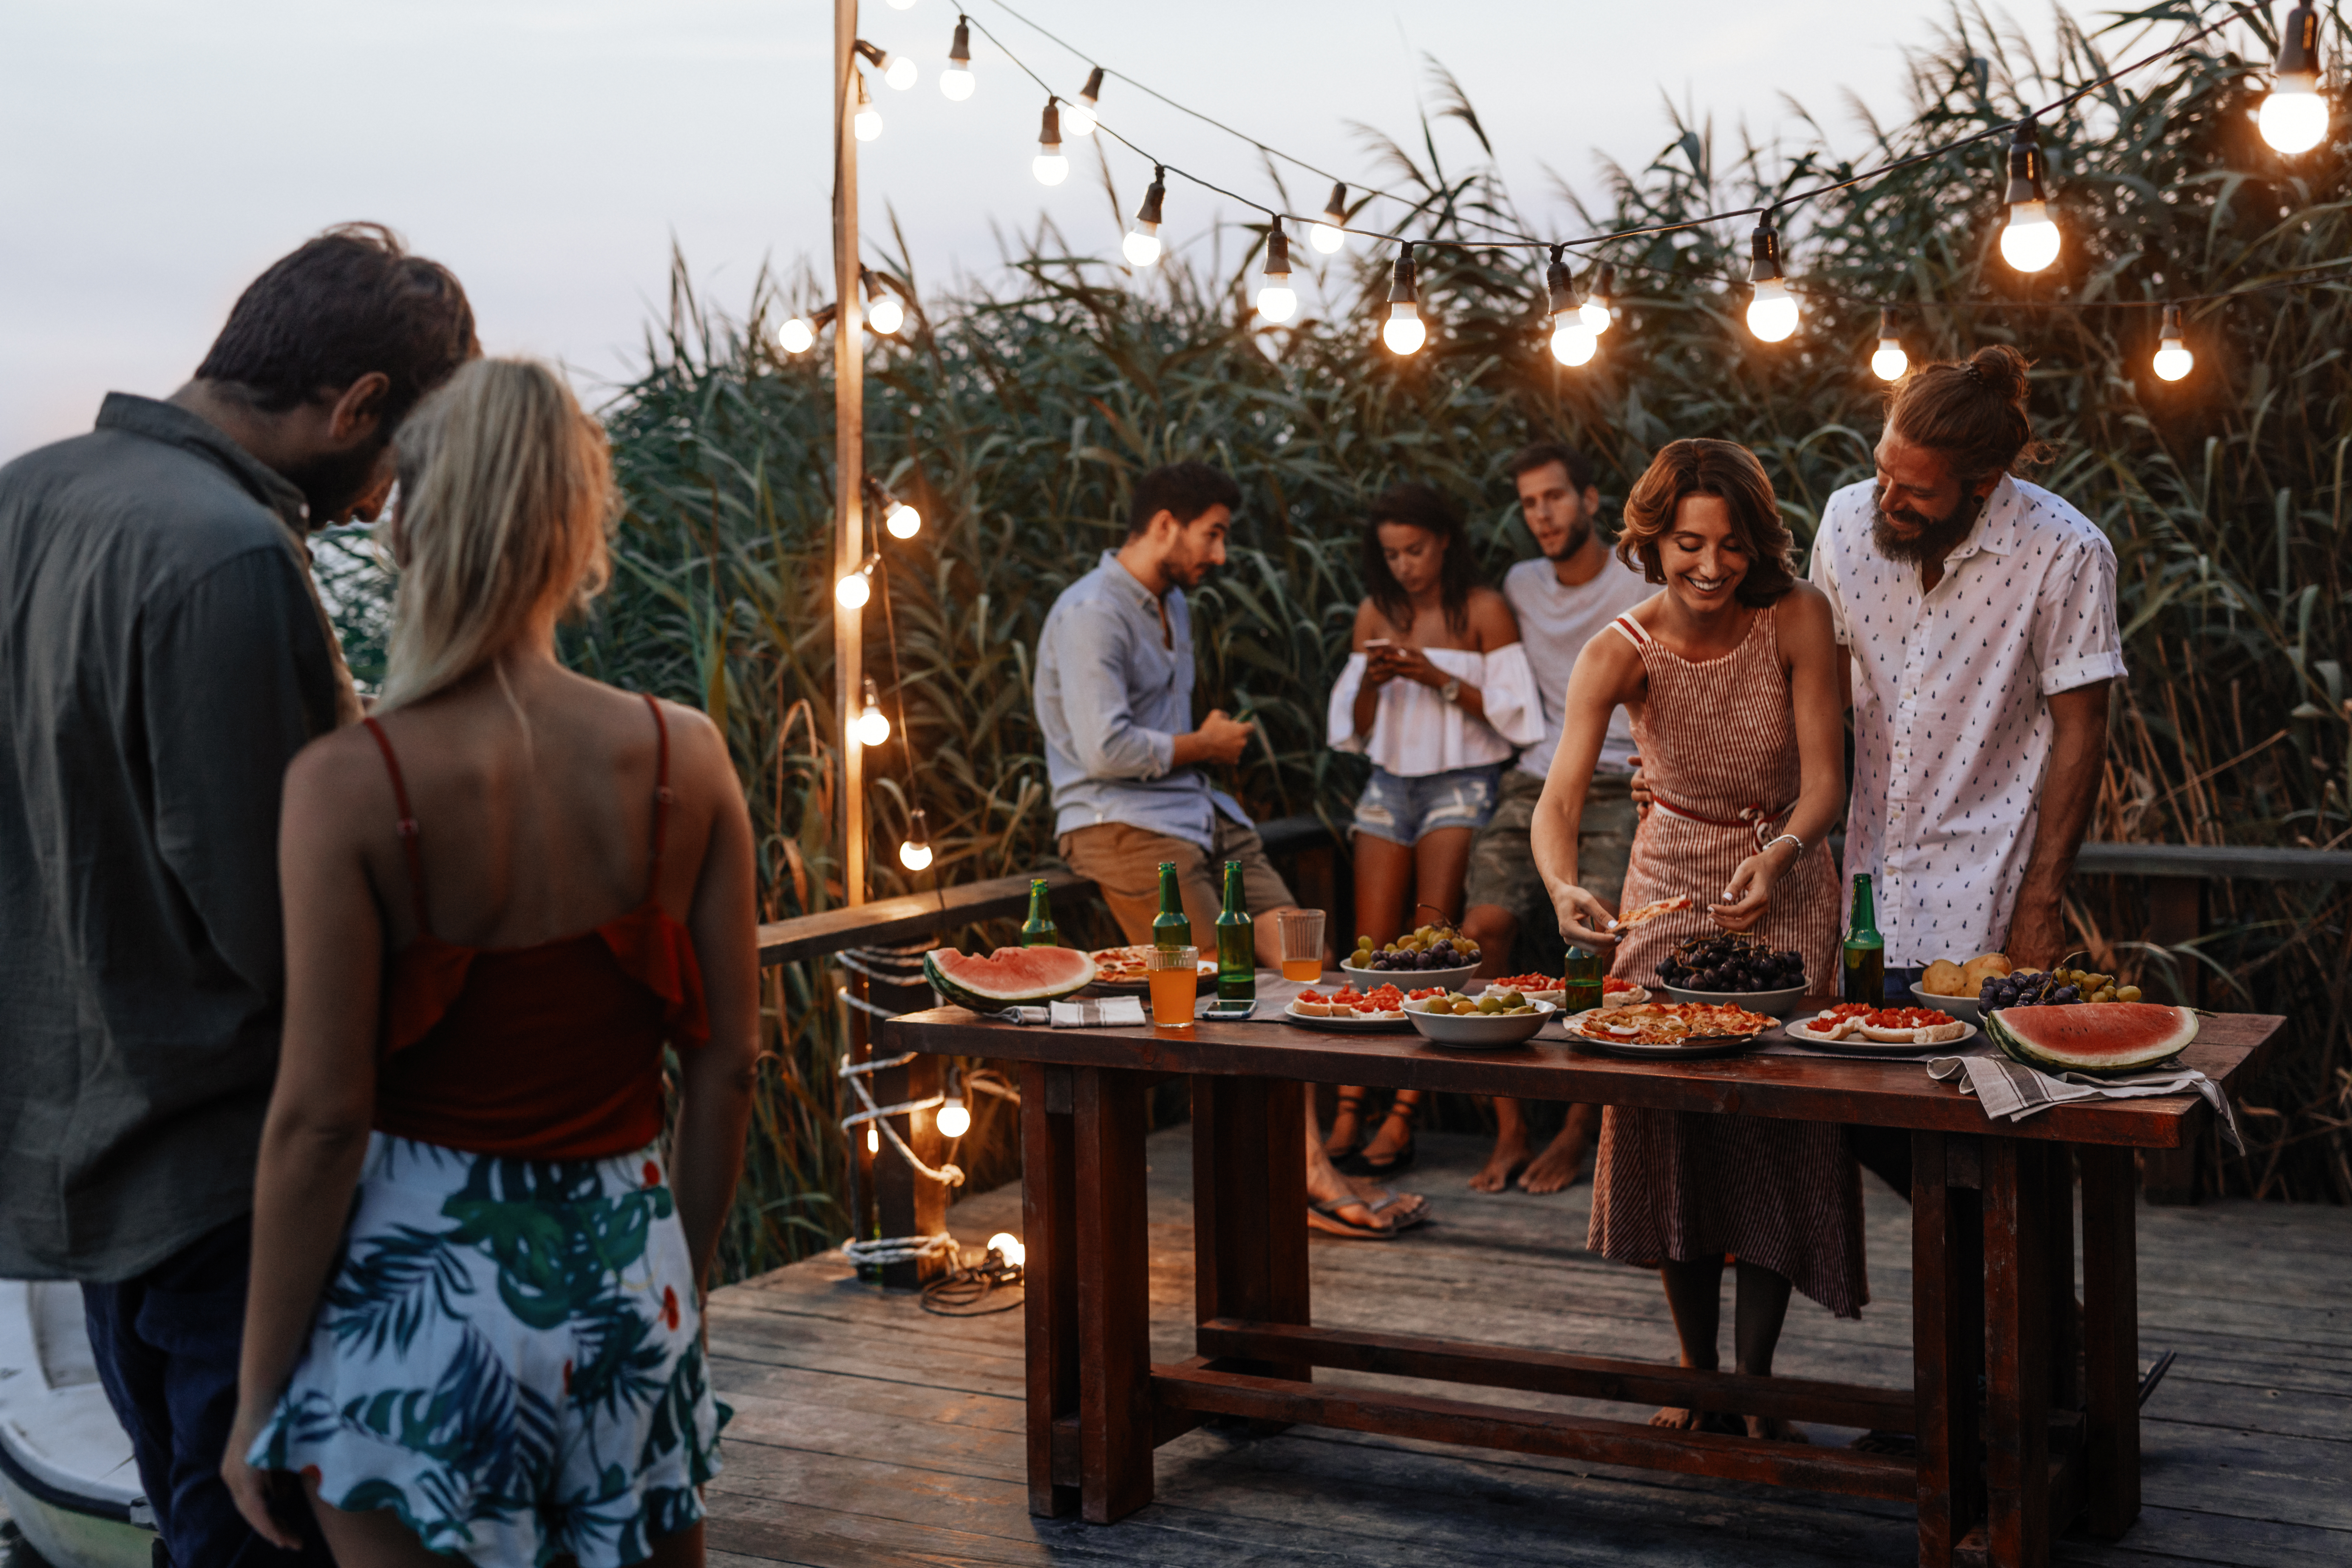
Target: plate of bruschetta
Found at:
x=1854, y=1028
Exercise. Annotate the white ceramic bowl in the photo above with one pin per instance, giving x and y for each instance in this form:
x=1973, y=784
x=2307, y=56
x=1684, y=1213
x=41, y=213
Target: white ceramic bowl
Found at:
x=1772, y=1003
x=1481, y=1029
x=1965, y=1008
x=1409, y=979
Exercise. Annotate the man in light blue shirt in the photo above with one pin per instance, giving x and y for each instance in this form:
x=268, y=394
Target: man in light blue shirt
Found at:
x=1115, y=702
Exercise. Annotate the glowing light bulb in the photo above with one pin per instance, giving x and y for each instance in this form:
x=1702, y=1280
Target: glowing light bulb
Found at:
x=1078, y=119
x=956, y=80
x=1007, y=1245
x=1142, y=246
x=885, y=314
x=854, y=589
x=867, y=123
x=873, y=1141
x=873, y=726
x=1890, y=362
x=902, y=72
x=1276, y=302
x=1330, y=235
x=796, y=336
x=955, y=1121
x=2029, y=242
x=913, y=856
x=1573, y=342
x=1772, y=313
x=1050, y=167
x=2295, y=115
x=1404, y=332
x=2173, y=359
x=903, y=521
x=1595, y=311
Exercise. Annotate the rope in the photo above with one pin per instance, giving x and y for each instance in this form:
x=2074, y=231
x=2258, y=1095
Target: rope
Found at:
x=886, y=964
x=856, y=1074
x=842, y=994
x=897, y=1248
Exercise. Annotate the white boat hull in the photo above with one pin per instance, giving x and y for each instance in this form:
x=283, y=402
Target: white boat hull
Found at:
x=66, y=1467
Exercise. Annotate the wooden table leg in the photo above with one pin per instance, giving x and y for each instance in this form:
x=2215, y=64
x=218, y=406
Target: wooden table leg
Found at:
x=2111, y=1340
x=1050, y=1313
x=2017, y=1345
x=1114, y=1295
x=2064, y=1332
x=1249, y=1208
x=1947, y=1344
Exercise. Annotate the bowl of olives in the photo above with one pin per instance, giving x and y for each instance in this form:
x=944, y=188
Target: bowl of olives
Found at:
x=1430, y=955
x=1482, y=1022
x=1734, y=970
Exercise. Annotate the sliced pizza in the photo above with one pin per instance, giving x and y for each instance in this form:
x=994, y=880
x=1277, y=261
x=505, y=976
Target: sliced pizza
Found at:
x=1642, y=914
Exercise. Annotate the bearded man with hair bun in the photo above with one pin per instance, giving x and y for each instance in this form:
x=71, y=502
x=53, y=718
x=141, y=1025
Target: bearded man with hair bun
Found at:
x=1978, y=614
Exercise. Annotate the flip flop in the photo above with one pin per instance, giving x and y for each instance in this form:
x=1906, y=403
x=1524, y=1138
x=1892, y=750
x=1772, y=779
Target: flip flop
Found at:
x=1411, y=1208
x=1323, y=1216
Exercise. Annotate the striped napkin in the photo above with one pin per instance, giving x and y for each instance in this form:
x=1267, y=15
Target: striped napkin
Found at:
x=2012, y=1091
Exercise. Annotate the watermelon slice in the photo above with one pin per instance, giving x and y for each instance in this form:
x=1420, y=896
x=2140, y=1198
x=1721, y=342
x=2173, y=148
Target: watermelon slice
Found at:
x=2091, y=1036
x=1009, y=978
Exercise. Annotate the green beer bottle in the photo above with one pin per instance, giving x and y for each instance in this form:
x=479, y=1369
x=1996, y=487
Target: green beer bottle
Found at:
x=1865, y=951
x=1038, y=930
x=1171, y=927
x=1236, y=943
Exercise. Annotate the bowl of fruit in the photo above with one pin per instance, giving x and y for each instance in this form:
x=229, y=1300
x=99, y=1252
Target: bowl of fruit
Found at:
x=1493, y=1017
x=1431, y=955
x=2052, y=988
x=1738, y=970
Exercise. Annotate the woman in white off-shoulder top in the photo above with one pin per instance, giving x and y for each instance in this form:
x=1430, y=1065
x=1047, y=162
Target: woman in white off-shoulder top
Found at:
x=1438, y=692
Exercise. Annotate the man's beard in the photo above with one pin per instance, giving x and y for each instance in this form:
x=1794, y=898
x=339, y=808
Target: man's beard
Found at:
x=1936, y=538
x=333, y=482
x=1573, y=542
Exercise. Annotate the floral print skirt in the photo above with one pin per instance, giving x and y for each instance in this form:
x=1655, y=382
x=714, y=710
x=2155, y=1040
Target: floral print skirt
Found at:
x=508, y=1357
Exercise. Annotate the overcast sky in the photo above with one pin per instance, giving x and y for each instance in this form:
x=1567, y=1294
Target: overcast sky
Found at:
x=155, y=155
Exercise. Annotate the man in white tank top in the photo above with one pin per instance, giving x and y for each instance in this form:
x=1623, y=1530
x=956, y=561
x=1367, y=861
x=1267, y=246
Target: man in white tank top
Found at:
x=1563, y=599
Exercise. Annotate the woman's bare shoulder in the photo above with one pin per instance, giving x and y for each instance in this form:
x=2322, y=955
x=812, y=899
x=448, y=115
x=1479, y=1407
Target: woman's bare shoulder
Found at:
x=1804, y=609
x=1370, y=623
x=1492, y=624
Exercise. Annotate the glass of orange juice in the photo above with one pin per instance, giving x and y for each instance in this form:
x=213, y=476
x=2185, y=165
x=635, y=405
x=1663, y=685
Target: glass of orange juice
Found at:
x=1300, y=932
x=1175, y=975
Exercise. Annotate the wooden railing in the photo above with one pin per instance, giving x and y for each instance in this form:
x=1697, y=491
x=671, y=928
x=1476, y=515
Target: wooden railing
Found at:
x=2178, y=876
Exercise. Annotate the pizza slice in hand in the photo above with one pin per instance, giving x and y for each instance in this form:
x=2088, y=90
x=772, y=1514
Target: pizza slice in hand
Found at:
x=1642, y=914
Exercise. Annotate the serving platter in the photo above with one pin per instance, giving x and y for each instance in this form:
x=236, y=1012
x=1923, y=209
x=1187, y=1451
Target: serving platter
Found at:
x=1682, y=1050
x=1390, y=1025
x=1207, y=967
x=1855, y=1046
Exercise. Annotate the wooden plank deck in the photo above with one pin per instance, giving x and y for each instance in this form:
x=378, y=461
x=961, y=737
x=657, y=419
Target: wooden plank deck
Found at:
x=868, y=1432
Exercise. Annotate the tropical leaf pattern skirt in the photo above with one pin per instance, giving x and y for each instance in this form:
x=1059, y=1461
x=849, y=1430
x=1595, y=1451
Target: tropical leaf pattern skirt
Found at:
x=508, y=1357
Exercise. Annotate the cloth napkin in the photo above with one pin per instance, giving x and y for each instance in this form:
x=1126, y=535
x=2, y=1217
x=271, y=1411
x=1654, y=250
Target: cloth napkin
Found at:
x=2012, y=1091
x=1109, y=1013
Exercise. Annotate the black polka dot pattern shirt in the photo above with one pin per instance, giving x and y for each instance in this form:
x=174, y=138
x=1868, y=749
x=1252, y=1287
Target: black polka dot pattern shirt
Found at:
x=1952, y=724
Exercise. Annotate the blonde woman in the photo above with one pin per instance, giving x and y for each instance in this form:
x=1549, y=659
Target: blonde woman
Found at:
x=474, y=1321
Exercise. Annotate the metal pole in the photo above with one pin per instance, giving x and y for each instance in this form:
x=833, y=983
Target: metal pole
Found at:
x=849, y=447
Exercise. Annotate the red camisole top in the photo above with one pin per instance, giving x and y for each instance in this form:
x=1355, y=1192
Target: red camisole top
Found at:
x=548, y=1052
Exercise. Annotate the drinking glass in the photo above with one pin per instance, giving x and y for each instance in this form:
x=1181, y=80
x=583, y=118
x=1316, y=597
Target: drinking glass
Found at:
x=1175, y=976
x=1300, y=932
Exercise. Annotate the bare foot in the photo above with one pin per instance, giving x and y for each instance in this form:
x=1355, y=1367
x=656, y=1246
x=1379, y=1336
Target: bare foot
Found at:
x=1677, y=1418
x=1510, y=1153
x=1347, y=1131
x=1394, y=1138
x=1562, y=1161
x=1772, y=1430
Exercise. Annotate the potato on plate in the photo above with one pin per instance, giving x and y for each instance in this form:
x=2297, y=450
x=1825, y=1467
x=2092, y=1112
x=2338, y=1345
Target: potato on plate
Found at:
x=1945, y=978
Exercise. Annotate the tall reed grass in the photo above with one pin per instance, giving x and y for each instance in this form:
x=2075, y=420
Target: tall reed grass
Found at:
x=1016, y=416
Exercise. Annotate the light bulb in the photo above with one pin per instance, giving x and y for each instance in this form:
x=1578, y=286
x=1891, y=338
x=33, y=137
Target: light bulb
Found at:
x=867, y=123
x=1078, y=119
x=796, y=336
x=2029, y=242
x=1573, y=342
x=1142, y=246
x=1890, y=362
x=903, y=521
x=1276, y=303
x=902, y=72
x=954, y=1120
x=1595, y=312
x=913, y=856
x=886, y=315
x=852, y=590
x=2173, y=359
x=873, y=727
x=2294, y=116
x=873, y=1141
x=1051, y=168
x=1772, y=313
x=956, y=80
x=1404, y=332
x=1330, y=235
x=1007, y=1245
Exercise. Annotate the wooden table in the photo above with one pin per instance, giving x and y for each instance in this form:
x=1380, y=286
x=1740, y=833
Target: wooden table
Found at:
x=1099, y=1405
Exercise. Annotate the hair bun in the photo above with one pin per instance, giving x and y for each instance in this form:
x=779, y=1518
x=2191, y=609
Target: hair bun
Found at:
x=2000, y=370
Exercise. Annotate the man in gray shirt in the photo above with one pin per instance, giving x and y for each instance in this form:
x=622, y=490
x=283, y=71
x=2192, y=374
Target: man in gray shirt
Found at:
x=163, y=654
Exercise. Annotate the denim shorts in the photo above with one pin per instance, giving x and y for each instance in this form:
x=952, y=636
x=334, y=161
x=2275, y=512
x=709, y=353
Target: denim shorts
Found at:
x=1402, y=810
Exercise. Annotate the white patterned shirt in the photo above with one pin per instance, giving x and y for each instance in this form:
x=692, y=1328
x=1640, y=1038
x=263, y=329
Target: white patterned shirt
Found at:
x=1951, y=716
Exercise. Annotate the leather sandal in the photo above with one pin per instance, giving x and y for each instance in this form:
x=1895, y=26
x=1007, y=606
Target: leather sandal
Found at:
x=1351, y=1101
x=1357, y=1163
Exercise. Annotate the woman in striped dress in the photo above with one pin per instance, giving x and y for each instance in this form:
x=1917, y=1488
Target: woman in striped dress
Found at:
x=1730, y=676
